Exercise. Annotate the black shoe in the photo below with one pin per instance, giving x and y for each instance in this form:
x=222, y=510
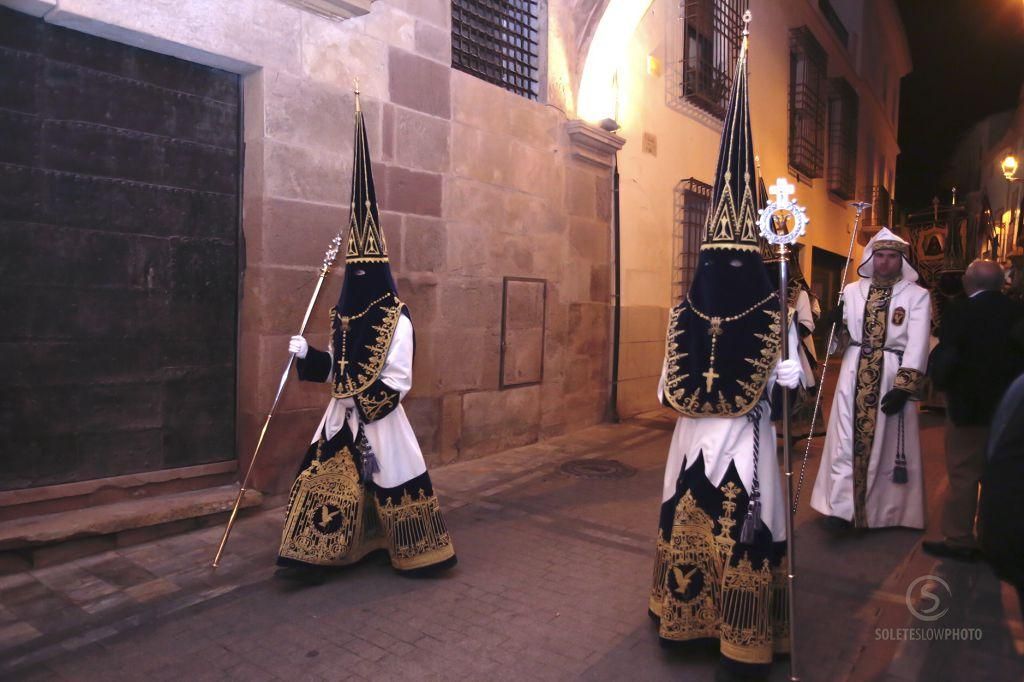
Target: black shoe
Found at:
x=944, y=550
x=724, y=674
x=836, y=524
x=301, y=574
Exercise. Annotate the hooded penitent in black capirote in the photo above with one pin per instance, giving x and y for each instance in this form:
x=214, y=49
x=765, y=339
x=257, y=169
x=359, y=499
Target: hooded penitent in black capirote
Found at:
x=364, y=320
x=719, y=571
x=363, y=484
x=723, y=338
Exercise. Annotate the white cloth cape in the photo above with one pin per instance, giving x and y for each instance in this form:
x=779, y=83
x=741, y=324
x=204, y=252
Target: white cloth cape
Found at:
x=391, y=437
x=887, y=503
x=731, y=439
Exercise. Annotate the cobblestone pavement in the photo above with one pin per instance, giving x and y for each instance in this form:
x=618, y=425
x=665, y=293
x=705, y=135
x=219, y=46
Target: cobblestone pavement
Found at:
x=551, y=584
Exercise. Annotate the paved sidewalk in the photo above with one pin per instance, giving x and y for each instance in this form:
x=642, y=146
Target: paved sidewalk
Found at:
x=551, y=584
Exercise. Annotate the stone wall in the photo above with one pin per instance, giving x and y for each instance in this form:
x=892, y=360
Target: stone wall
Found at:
x=474, y=185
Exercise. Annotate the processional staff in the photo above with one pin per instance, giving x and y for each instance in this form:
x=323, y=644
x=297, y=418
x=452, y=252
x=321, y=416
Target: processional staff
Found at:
x=782, y=222
x=329, y=257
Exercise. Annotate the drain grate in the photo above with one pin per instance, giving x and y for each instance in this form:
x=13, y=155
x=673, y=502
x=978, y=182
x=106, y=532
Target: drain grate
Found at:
x=606, y=469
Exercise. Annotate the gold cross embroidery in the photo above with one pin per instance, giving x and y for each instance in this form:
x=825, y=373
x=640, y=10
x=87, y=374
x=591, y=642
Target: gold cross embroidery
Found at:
x=710, y=376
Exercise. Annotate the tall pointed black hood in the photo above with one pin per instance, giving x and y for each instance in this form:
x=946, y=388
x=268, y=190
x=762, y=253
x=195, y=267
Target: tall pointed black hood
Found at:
x=723, y=339
x=363, y=322
x=367, y=251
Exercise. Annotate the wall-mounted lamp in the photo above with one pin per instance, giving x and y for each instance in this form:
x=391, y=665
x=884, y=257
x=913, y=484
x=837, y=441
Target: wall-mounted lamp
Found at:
x=1009, y=167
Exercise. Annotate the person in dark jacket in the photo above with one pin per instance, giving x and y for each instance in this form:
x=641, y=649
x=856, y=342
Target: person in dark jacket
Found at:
x=1001, y=509
x=978, y=356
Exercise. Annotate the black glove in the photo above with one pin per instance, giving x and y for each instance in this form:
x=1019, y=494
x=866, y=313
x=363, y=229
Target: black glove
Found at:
x=894, y=400
x=834, y=316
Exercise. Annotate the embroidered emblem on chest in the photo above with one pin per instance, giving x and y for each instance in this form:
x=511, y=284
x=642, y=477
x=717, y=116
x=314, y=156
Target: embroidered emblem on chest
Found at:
x=899, y=315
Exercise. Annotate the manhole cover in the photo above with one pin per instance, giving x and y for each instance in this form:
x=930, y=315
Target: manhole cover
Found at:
x=597, y=468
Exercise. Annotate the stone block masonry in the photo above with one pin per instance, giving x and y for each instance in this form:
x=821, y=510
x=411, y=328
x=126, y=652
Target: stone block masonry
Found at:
x=475, y=184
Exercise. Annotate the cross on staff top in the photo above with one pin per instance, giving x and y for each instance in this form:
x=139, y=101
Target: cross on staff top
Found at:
x=781, y=190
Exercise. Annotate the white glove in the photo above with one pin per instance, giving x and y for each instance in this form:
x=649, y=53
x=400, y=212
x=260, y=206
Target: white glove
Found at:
x=298, y=347
x=788, y=373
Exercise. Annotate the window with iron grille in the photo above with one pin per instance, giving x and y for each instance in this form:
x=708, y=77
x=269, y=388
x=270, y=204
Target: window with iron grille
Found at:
x=842, y=138
x=497, y=40
x=712, y=31
x=692, y=204
x=807, y=67
x=832, y=17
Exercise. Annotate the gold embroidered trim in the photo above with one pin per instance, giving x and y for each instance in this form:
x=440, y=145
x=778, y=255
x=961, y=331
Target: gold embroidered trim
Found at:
x=730, y=245
x=780, y=609
x=909, y=380
x=366, y=243
x=327, y=522
x=416, y=532
x=891, y=245
x=688, y=574
x=375, y=404
x=345, y=386
x=697, y=593
x=746, y=612
x=697, y=404
x=730, y=318
x=869, y=378
x=348, y=318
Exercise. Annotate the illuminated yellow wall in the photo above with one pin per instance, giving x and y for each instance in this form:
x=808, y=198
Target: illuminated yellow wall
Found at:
x=687, y=146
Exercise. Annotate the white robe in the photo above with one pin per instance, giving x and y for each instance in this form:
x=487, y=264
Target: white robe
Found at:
x=391, y=437
x=887, y=503
x=729, y=439
x=805, y=317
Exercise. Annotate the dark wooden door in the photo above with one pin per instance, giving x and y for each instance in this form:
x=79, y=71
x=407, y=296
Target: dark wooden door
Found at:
x=826, y=282
x=119, y=248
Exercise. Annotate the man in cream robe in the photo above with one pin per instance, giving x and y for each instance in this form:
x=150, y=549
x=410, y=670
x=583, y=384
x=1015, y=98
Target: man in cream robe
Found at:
x=871, y=473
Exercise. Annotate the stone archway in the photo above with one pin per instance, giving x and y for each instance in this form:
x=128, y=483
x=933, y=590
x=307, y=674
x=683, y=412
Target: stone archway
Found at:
x=604, y=30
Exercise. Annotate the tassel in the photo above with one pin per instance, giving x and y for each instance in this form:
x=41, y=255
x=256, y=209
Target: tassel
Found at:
x=899, y=471
x=751, y=523
x=368, y=460
x=369, y=465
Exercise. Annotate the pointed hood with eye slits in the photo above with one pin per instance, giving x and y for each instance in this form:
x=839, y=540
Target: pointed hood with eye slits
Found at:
x=366, y=316
x=723, y=339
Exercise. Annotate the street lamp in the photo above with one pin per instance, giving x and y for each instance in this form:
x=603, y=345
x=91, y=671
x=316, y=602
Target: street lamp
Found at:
x=1009, y=168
